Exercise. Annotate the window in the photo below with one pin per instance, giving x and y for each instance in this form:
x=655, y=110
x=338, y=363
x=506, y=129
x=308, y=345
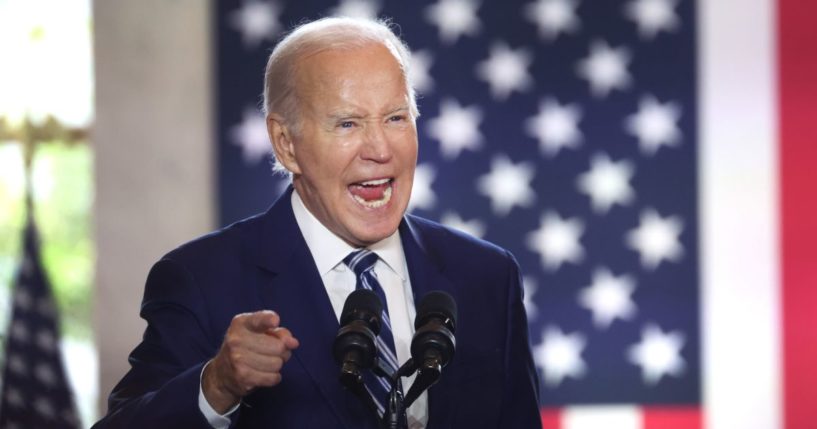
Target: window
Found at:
x=46, y=71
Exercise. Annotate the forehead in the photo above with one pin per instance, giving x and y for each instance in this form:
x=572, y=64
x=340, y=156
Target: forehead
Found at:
x=336, y=52
x=351, y=72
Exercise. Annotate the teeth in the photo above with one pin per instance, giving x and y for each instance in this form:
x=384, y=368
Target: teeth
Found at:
x=374, y=182
x=375, y=203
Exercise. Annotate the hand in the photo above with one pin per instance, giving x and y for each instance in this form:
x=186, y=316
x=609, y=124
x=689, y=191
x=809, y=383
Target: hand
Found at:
x=255, y=348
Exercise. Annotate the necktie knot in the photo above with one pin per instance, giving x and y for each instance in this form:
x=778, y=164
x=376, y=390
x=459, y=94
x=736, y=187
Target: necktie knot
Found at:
x=360, y=261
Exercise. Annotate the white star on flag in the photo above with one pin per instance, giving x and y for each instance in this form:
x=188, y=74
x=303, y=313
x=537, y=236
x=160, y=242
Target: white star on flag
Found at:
x=19, y=331
x=605, y=68
x=556, y=126
x=22, y=299
x=508, y=185
x=506, y=70
x=652, y=16
x=46, y=341
x=44, y=407
x=422, y=196
x=656, y=239
x=655, y=124
x=257, y=21
x=559, y=355
x=473, y=227
x=658, y=354
x=456, y=128
x=45, y=374
x=609, y=298
x=454, y=18
x=17, y=365
x=251, y=135
x=14, y=397
x=557, y=240
x=45, y=307
x=420, y=71
x=553, y=17
x=607, y=183
x=366, y=9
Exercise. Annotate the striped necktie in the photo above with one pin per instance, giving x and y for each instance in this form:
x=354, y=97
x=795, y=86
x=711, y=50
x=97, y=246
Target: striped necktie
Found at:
x=362, y=262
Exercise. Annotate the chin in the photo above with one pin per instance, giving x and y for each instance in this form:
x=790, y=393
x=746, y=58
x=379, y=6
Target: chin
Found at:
x=368, y=234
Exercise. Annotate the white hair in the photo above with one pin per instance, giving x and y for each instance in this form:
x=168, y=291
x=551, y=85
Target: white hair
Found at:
x=317, y=36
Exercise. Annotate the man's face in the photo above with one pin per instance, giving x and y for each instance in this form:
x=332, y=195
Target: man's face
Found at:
x=356, y=151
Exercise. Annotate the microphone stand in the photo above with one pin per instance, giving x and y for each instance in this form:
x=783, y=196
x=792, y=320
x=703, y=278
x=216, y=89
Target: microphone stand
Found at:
x=394, y=416
x=428, y=374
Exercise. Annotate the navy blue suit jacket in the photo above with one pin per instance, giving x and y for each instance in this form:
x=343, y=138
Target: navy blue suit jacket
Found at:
x=263, y=262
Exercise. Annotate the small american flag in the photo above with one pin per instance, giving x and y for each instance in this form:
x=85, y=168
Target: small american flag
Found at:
x=35, y=392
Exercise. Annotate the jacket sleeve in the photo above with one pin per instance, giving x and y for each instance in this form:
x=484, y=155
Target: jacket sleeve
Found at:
x=161, y=389
x=520, y=400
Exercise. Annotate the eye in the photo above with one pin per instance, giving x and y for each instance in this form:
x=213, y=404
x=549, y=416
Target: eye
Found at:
x=397, y=118
x=346, y=124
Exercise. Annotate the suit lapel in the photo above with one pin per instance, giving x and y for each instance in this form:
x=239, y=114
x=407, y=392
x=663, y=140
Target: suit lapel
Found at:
x=426, y=274
x=292, y=287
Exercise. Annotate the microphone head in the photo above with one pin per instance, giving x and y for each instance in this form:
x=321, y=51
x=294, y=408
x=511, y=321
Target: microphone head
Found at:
x=354, y=344
x=440, y=305
x=364, y=305
x=435, y=325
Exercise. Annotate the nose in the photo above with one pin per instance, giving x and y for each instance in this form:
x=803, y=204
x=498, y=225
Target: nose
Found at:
x=376, y=146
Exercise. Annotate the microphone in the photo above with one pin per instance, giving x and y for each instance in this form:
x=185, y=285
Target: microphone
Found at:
x=433, y=344
x=354, y=346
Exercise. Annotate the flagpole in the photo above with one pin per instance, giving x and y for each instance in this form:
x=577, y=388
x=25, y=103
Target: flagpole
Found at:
x=29, y=146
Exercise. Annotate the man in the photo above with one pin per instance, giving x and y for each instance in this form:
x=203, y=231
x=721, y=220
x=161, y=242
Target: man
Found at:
x=241, y=322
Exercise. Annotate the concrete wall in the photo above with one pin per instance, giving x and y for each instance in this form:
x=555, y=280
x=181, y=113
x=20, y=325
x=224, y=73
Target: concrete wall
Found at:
x=152, y=140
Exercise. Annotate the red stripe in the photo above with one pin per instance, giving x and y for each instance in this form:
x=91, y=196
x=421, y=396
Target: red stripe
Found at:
x=550, y=418
x=797, y=29
x=671, y=418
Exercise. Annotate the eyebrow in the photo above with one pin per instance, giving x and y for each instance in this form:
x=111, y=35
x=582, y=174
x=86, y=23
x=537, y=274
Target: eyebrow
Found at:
x=346, y=114
x=398, y=109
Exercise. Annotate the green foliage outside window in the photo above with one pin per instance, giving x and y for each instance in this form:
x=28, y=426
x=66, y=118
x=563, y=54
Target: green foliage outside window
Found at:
x=63, y=196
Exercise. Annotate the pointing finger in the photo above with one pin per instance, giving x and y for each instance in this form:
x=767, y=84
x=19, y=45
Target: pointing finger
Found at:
x=286, y=337
x=262, y=321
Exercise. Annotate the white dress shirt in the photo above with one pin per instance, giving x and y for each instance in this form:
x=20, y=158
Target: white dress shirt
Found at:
x=328, y=250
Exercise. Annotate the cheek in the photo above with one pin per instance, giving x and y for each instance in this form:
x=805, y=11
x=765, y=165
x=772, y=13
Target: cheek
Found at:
x=410, y=152
x=324, y=161
x=405, y=143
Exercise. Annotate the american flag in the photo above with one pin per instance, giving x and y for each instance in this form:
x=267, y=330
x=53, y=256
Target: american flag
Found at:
x=574, y=134
x=35, y=392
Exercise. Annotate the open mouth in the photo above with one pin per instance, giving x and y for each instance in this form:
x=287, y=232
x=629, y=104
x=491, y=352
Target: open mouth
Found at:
x=372, y=193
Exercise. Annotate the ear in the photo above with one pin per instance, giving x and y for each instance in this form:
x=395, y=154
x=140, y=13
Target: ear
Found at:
x=282, y=144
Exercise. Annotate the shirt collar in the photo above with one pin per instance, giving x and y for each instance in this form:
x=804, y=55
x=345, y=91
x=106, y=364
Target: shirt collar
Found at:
x=328, y=249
